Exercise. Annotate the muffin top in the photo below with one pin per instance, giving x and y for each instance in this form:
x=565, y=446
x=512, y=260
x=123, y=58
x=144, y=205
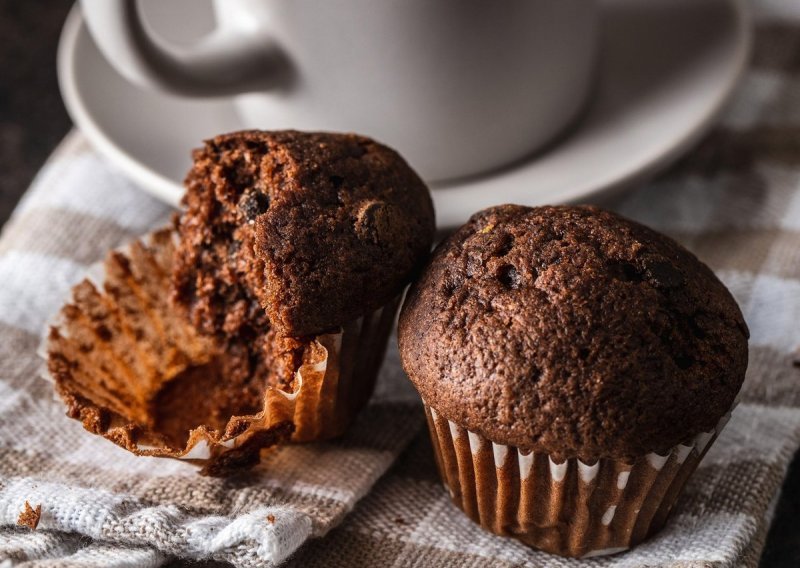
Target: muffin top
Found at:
x=572, y=331
x=299, y=232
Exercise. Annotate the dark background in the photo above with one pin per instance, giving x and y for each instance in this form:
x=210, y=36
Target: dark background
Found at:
x=33, y=120
x=32, y=116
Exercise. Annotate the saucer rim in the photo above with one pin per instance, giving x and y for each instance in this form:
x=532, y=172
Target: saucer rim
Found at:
x=446, y=196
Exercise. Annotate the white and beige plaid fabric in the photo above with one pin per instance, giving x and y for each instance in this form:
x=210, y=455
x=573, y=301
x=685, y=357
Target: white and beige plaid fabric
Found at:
x=734, y=200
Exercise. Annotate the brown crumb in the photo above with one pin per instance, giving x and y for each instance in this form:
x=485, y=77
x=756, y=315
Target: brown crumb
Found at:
x=29, y=517
x=271, y=519
x=400, y=520
x=796, y=363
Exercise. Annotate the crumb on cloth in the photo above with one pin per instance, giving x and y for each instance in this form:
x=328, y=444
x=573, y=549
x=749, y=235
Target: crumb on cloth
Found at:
x=29, y=517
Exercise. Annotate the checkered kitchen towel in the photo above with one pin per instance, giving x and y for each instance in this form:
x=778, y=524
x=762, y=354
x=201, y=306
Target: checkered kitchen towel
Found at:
x=735, y=201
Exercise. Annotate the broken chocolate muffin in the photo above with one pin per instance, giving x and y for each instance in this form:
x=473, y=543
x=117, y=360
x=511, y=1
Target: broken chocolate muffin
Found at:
x=289, y=234
x=262, y=316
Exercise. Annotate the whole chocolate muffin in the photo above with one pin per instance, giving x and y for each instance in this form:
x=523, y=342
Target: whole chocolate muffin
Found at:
x=575, y=334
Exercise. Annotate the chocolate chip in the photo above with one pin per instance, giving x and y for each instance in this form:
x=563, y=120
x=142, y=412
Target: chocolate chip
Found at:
x=253, y=204
x=625, y=271
x=509, y=277
x=103, y=332
x=663, y=274
x=698, y=331
x=337, y=181
x=684, y=361
x=254, y=145
x=505, y=244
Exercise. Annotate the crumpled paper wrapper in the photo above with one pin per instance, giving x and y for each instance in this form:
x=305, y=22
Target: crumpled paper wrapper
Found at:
x=118, y=344
x=570, y=508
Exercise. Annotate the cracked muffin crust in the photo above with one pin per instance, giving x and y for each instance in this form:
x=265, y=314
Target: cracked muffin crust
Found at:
x=289, y=234
x=572, y=331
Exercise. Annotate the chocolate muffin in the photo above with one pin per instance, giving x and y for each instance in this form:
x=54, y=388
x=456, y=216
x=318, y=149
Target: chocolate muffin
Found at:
x=598, y=353
x=262, y=315
x=289, y=234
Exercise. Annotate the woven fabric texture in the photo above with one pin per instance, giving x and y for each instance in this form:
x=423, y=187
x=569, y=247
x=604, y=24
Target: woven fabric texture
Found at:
x=734, y=200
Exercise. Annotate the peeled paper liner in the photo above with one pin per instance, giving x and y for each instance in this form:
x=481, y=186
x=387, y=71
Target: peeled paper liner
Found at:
x=571, y=508
x=118, y=341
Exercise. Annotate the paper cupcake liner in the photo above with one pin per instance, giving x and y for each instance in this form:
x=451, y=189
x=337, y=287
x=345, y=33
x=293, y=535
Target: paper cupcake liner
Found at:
x=570, y=508
x=119, y=342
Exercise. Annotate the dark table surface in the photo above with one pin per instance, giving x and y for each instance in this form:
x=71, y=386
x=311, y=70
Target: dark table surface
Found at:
x=33, y=120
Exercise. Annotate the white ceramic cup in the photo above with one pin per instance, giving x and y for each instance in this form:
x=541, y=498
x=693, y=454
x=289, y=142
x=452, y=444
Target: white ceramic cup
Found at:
x=459, y=87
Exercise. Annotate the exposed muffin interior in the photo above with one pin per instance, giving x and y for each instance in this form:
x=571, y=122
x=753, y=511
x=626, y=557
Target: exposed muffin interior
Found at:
x=133, y=369
x=121, y=355
x=215, y=273
x=573, y=331
x=298, y=233
x=262, y=315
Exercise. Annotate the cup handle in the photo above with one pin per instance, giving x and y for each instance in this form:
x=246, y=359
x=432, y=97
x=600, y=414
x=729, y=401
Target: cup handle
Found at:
x=224, y=62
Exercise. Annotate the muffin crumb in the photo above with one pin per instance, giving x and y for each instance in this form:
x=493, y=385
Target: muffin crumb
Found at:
x=29, y=517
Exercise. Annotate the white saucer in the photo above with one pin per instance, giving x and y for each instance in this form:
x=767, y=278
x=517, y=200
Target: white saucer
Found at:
x=666, y=69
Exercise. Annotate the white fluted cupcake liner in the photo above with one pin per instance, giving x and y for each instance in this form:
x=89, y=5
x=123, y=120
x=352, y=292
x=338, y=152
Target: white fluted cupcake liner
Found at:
x=118, y=342
x=570, y=508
